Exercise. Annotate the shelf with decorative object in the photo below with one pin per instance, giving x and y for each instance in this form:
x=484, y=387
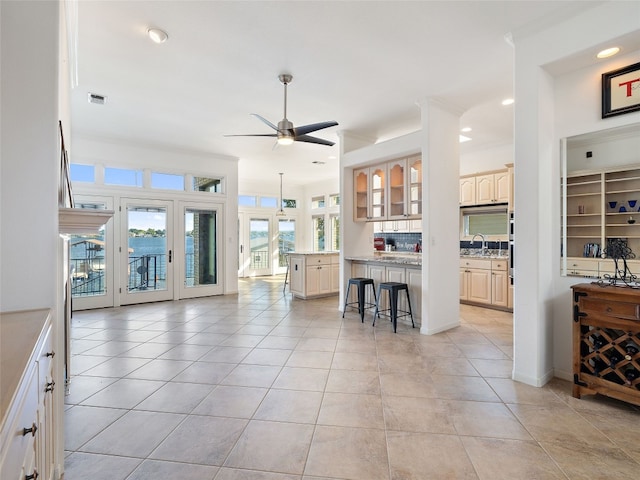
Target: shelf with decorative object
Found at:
x=606, y=341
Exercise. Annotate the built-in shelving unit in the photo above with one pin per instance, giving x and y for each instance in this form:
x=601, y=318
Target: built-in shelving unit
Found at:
x=602, y=206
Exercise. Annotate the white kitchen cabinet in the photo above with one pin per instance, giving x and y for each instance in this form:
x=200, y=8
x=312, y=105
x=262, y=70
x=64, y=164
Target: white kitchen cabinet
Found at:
x=414, y=281
x=484, y=281
x=485, y=189
x=314, y=274
x=389, y=191
x=27, y=442
x=405, y=189
x=370, y=193
x=467, y=191
x=499, y=283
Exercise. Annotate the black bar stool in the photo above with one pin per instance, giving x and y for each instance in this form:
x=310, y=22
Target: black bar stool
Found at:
x=361, y=283
x=393, y=288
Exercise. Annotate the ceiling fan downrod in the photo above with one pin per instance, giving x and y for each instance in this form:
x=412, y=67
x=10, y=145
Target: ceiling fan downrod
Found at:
x=285, y=79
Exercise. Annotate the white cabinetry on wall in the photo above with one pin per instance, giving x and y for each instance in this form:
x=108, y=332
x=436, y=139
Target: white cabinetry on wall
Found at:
x=27, y=403
x=484, y=281
x=467, y=191
x=389, y=191
x=314, y=275
x=492, y=188
x=370, y=190
x=485, y=189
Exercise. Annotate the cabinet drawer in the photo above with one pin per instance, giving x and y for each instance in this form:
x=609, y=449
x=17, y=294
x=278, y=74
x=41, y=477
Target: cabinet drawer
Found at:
x=578, y=264
x=599, y=306
x=15, y=445
x=318, y=260
x=483, y=263
x=499, y=265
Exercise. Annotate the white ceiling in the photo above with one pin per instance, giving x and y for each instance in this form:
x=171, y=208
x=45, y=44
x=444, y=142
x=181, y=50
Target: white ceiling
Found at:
x=363, y=64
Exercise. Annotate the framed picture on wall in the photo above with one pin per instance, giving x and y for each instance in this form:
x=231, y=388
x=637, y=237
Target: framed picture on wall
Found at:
x=621, y=91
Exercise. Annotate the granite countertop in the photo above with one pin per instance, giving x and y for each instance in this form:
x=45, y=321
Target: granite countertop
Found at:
x=490, y=253
x=314, y=253
x=397, y=258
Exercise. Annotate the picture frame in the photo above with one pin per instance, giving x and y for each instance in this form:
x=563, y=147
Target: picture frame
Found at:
x=621, y=91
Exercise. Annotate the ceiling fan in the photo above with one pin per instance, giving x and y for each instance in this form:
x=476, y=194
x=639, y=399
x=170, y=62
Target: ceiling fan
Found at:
x=286, y=133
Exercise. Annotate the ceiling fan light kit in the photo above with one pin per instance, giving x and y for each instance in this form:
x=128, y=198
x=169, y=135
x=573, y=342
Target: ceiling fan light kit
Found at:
x=286, y=133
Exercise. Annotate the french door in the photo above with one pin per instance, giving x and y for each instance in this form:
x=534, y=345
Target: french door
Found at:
x=263, y=242
x=286, y=242
x=200, y=249
x=146, y=251
x=255, y=251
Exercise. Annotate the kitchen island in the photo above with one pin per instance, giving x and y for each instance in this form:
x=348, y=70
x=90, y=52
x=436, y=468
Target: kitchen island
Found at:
x=314, y=274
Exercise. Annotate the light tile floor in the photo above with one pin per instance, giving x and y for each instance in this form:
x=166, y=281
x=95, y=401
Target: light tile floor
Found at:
x=261, y=387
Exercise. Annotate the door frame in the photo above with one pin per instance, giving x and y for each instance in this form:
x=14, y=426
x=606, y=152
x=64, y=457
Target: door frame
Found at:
x=182, y=291
x=146, y=296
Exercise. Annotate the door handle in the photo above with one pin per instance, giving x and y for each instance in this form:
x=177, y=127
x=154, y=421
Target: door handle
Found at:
x=241, y=248
x=169, y=256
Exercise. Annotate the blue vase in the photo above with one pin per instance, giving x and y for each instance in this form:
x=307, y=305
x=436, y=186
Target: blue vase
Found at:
x=622, y=209
x=613, y=205
x=632, y=203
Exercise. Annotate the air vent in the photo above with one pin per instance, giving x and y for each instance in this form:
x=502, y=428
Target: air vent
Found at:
x=318, y=162
x=97, y=99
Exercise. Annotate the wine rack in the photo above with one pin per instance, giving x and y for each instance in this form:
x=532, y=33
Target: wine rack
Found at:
x=606, y=341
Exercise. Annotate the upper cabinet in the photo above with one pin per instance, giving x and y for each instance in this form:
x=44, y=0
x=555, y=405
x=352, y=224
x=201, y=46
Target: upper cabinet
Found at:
x=370, y=193
x=485, y=189
x=390, y=191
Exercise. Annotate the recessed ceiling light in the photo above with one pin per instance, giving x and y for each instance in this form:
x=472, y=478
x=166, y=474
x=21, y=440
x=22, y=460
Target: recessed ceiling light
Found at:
x=464, y=138
x=507, y=101
x=465, y=129
x=156, y=35
x=608, y=52
x=331, y=157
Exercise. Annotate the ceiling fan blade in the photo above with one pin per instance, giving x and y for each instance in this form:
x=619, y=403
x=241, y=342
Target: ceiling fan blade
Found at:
x=310, y=139
x=253, y=135
x=264, y=120
x=313, y=127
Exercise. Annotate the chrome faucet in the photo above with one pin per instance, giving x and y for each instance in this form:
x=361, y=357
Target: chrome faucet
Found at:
x=484, y=242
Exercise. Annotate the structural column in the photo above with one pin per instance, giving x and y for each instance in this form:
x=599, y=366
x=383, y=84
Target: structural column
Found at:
x=440, y=217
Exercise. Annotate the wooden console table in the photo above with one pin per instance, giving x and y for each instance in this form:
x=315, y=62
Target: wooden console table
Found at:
x=606, y=341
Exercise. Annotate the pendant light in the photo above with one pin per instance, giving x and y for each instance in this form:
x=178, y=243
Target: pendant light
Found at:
x=280, y=212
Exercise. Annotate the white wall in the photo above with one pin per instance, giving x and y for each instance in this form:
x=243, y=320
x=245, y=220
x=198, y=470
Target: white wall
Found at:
x=548, y=109
x=484, y=160
x=30, y=155
x=580, y=114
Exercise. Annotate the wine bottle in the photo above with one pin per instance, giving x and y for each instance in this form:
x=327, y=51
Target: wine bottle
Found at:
x=630, y=374
x=598, y=366
x=598, y=342
x=614, y=358
x=630, y=349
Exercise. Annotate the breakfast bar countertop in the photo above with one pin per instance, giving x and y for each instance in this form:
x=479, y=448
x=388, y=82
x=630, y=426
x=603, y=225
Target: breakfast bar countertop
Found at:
x=398, y=258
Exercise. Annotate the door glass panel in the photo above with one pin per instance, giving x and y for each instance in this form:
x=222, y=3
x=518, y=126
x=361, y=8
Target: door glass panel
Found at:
x=200, y=247
x=286, y=239
x=259, y=237
x=147, y=243
x=87, y=264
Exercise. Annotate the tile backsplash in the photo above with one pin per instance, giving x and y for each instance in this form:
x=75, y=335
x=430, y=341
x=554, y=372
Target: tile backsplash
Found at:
x=403, y=242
